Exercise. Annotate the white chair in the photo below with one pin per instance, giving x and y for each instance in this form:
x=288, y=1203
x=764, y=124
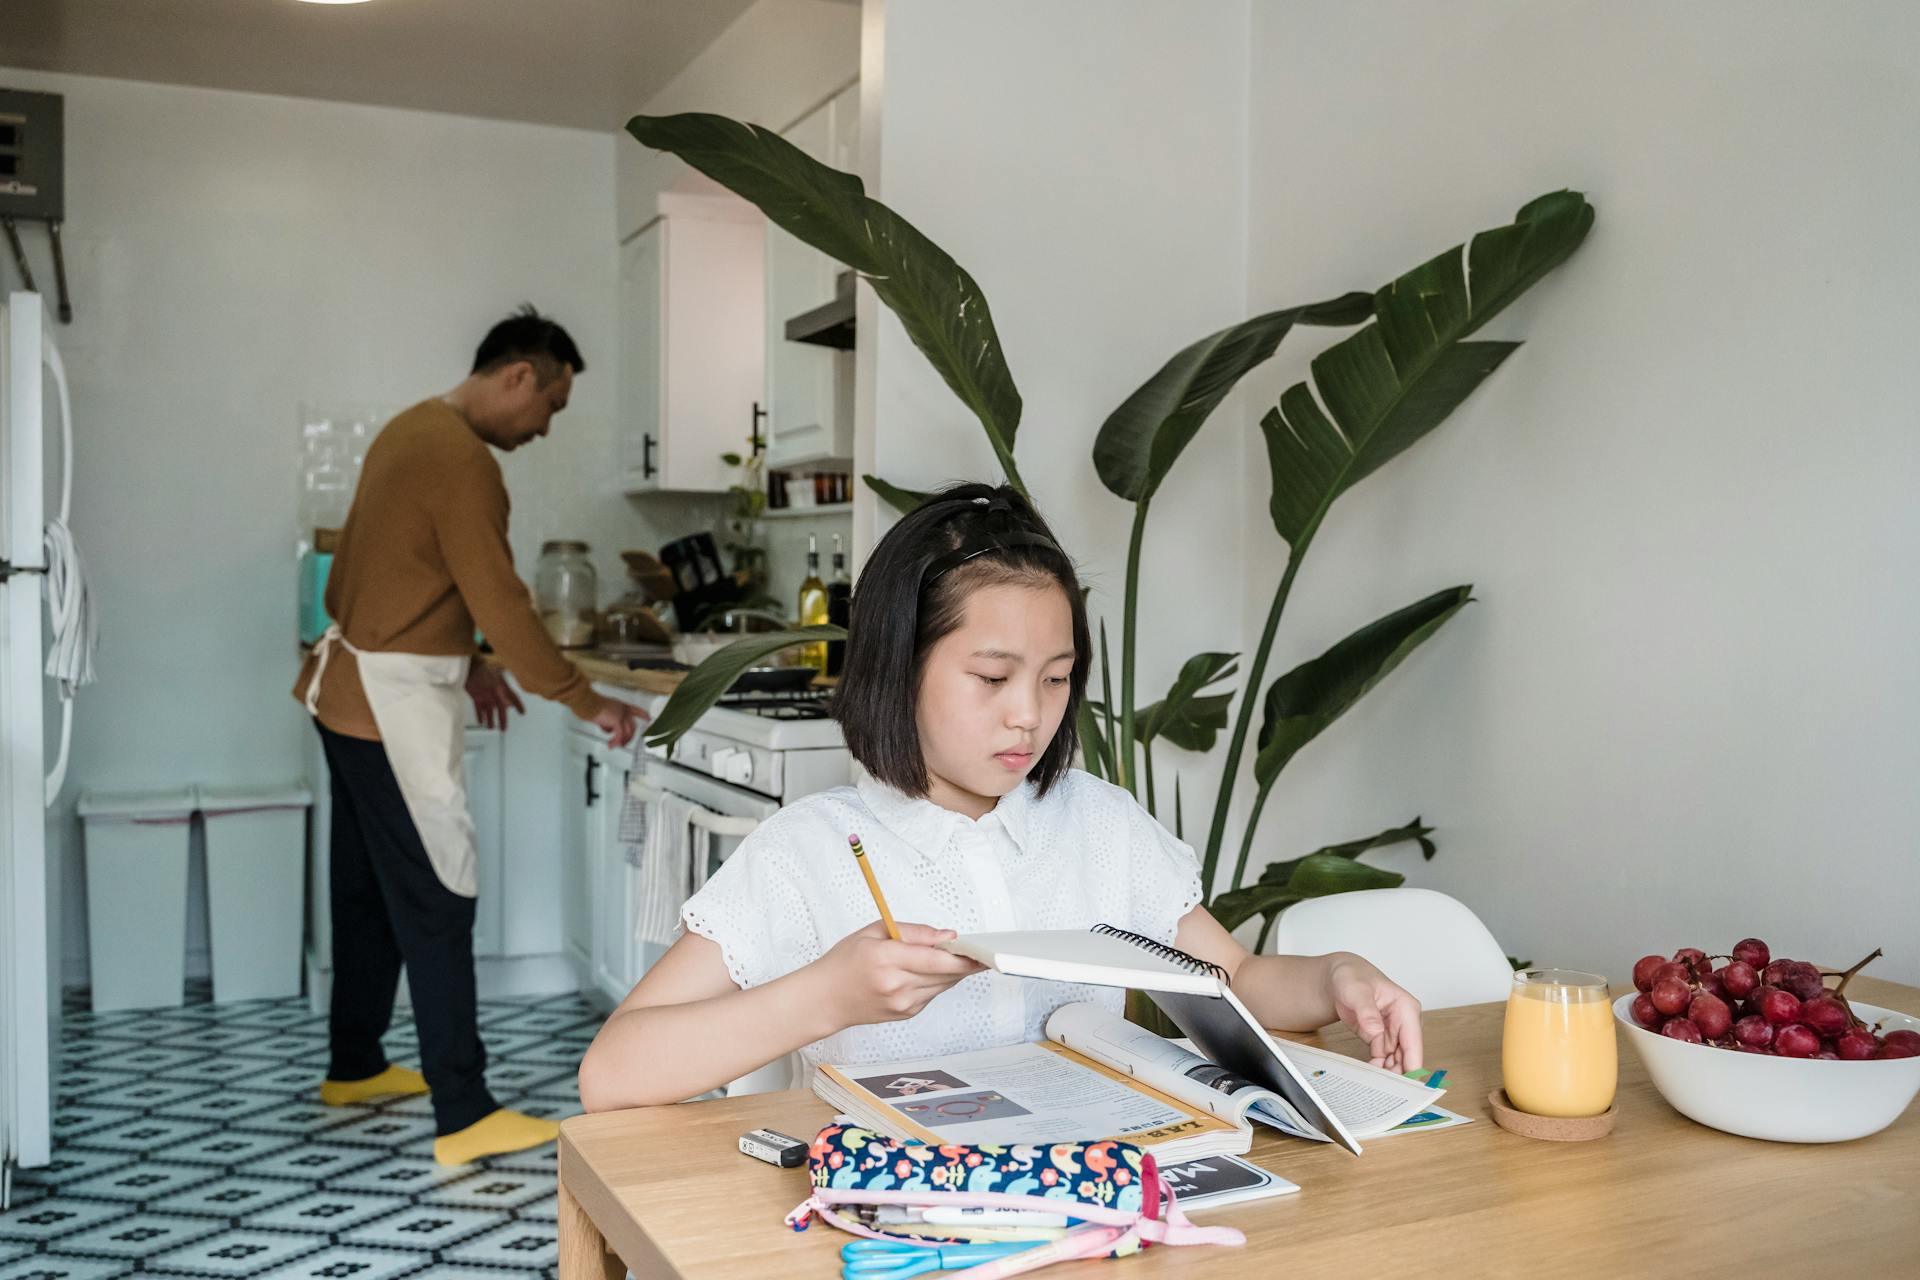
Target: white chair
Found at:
x=1427, y=942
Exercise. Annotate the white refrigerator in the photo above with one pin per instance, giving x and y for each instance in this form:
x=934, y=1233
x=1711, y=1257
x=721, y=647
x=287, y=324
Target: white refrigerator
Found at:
x=36, y=456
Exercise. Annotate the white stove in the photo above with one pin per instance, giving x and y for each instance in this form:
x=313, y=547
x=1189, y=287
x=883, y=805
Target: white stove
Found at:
x=780, y=746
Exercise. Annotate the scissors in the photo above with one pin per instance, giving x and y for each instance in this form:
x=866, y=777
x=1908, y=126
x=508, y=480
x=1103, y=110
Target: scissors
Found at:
x=895, y=1260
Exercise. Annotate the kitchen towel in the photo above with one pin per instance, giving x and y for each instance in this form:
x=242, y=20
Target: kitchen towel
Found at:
x=666, y=862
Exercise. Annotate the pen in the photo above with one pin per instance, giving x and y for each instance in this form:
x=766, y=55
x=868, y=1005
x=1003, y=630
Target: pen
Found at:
x=879, y=899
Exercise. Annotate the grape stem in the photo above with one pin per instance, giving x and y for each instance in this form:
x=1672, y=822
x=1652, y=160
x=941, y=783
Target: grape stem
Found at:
x=1839, y=992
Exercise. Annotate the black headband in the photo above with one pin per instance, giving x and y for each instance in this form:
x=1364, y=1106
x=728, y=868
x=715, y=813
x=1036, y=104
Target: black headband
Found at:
x=997, y=534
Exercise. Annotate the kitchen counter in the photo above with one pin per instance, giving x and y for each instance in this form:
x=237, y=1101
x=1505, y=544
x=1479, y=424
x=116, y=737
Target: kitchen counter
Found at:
x=609, y=671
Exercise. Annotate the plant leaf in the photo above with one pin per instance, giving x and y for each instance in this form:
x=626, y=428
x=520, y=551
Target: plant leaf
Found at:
x=1320, y=874
x=1196, y=726
x=1199, y=671
x=1415, y=830
x=1399, y=377
x=1276, y=889
x=1314, y=694
x=941, y=307
x=704, y=684
x=1141, y=440
x=1093, y=744
x=905, y=501
x=1195, y=729
x=1234, y=908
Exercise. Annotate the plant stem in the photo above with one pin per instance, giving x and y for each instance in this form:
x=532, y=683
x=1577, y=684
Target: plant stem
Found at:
x=1246, y=839
x=1127, y=636
x=1106, y=708
x=1146, y=772
x=1251, y=695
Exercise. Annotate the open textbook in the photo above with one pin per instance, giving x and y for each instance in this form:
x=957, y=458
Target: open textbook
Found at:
x=1307, y=1091
x=1099, y=1076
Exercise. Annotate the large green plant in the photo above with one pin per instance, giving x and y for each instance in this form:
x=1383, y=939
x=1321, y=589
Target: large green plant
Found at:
x=1383, y=387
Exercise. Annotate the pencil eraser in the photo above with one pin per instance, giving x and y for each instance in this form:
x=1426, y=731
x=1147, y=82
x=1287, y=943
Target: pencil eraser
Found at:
x=774, y=1147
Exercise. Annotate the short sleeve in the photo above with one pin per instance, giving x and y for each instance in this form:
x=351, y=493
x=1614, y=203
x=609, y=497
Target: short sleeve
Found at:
x=753, y=909
x=1165, y=876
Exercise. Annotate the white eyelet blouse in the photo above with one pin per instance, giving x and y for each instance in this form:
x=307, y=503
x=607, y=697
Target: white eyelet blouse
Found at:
x=1086, y=854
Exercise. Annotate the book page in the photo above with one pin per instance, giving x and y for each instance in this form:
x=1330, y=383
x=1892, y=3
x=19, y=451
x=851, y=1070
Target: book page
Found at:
x=1077, y=955
x=1366, y=1098
x=1173, y=1069
x=1037, y=1093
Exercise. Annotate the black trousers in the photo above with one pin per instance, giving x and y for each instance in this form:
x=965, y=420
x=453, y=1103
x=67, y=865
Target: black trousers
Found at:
x=390, y=908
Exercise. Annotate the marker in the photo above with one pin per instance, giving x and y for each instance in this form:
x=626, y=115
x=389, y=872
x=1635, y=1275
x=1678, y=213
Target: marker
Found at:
x=879, y=899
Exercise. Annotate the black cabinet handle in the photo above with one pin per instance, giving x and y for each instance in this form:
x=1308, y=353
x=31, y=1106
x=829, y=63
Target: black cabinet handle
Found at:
x=647, y=469
x=592, y=795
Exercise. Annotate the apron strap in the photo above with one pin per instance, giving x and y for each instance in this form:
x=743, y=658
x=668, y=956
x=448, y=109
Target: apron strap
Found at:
x=332, y=637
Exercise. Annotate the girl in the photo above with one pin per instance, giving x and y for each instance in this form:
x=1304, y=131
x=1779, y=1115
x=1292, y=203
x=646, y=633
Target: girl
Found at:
x=966, y=661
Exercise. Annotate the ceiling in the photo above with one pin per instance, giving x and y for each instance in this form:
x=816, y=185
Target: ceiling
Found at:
x=587, y=64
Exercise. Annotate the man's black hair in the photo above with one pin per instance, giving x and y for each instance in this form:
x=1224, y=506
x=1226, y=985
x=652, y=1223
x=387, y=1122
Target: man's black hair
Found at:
x=528, y=335
x=912, y=591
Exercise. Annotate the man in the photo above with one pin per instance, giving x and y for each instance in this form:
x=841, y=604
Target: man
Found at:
x=422, y=560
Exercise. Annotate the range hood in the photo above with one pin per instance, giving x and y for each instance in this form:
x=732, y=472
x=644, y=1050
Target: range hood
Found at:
x=829, y=325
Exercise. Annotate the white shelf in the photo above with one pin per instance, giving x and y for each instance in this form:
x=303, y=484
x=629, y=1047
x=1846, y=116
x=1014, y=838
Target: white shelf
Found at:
x=793, y=513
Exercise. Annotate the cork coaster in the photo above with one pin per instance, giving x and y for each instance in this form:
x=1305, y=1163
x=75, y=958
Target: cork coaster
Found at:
x=1551, y=1128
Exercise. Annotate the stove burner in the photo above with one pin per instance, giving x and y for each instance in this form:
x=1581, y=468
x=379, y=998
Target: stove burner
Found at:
x=801, y=704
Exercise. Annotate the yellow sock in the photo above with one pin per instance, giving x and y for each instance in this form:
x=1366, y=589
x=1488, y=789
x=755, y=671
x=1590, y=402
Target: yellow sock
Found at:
x=394, y=1080
x=494, y=1135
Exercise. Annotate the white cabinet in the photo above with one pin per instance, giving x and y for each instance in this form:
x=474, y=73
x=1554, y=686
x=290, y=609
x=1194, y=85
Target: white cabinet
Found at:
x=583, y=779
x=693, y=350
x=614, y=884
x=809, y=392
x=598, y=886
x=485, y=801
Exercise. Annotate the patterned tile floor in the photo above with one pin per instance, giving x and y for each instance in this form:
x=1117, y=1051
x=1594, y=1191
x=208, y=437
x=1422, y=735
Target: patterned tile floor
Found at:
x=189, y=1142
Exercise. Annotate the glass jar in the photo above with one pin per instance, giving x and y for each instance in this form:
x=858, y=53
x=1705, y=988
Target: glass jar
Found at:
x=567, y=592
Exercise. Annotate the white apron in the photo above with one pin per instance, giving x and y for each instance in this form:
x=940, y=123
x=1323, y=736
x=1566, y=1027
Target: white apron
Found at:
x=418, y=704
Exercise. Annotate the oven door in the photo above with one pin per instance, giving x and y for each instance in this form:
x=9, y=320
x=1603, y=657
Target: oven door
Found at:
x=721, y=818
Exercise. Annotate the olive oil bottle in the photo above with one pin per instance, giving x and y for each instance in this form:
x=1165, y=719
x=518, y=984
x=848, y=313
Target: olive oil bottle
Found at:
x=813, y=608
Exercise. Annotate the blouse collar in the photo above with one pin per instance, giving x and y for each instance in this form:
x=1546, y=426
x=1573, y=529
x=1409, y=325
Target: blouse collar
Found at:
x=928, y=827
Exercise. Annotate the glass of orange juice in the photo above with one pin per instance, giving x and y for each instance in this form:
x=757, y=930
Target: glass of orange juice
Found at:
x=1557, y=1053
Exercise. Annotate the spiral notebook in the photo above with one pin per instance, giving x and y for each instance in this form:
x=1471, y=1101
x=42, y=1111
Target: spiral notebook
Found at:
x=1191, y=991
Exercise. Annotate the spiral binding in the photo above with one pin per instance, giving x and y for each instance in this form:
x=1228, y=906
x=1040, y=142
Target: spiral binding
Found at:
x=1192, y=964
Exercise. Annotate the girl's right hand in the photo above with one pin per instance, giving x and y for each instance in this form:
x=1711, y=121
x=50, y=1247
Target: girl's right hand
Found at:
x=871, y=978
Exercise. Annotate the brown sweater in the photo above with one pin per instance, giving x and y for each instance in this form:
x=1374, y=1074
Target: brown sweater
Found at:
x=422, y=559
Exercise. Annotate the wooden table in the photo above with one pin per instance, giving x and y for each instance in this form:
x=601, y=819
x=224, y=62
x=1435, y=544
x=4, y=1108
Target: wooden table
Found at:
x=666, y=1189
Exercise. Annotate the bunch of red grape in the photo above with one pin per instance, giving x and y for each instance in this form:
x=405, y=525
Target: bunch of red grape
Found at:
x=1756, y=1004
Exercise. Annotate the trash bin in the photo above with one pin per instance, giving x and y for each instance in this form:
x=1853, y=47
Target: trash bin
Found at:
x=256, y=878
x=136, y=857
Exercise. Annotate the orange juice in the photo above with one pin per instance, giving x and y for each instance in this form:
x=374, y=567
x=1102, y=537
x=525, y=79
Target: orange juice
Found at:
x=1557, y=1053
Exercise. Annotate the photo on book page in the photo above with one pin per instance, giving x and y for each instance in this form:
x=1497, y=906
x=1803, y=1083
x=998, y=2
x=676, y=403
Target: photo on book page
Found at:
x=959, y=1108
x=1221, y=1180
x=906, y=1084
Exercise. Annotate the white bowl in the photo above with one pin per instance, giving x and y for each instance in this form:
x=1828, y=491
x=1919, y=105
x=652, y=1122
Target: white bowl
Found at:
x=1779, y=1099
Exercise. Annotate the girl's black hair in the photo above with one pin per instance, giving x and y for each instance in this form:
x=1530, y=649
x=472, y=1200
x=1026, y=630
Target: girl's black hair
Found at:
x=912, y=591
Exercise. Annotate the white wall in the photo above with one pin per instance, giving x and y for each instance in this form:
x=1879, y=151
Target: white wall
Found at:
x=232, y=255
x=1085, y=161
x=1683, y=710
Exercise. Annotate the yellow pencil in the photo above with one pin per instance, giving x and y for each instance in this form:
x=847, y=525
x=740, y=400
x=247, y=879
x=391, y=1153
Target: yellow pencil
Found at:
x=879, y=899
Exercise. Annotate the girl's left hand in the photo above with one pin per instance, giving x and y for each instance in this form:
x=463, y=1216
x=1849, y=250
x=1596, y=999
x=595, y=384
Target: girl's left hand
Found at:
x=1380, y=1012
